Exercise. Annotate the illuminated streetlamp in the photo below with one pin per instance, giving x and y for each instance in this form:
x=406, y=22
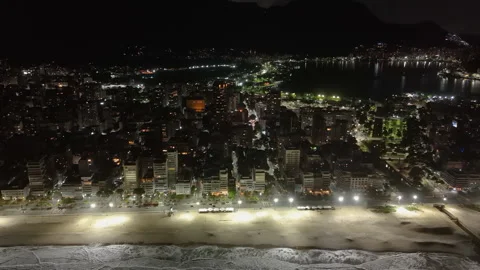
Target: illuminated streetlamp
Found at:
x=93, y=205
x=198, y=203
x=291, y=201
x=399, y=199
x=340, y=199
x=275, y=202
x=110, y=204
x=356, y=198
x=415, y=198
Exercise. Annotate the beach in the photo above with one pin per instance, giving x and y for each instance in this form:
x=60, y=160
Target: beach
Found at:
x=427, y=230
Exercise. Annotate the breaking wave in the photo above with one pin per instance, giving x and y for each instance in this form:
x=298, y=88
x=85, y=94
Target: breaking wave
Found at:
x=214, y=257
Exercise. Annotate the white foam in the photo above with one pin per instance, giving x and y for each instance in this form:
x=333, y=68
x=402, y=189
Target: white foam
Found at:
x=213, y=257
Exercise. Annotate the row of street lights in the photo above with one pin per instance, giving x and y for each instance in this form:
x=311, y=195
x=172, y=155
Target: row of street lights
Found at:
x=357, y=198
x=94, y=205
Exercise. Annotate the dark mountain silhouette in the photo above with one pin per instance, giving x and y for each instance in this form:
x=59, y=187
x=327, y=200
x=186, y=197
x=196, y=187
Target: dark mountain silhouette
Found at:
x=89, y=29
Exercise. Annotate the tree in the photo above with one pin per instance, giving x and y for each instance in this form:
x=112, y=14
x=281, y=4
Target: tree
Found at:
x=416, y=172
x=232, y=194
x=104, y=193
x=139, y=191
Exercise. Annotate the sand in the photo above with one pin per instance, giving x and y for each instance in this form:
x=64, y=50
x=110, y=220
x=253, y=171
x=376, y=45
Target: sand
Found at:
x=345, y=228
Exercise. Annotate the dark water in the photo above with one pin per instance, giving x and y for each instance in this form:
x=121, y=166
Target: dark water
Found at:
x=376, y=79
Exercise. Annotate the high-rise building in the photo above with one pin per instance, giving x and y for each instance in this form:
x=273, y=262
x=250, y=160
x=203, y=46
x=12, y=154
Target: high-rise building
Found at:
x=88, y=115
x=259, y=180
x=174, y=98
x=308, y=181
x=319, y=129
x=172, y=167
x=36, y=177
x=340, y=130
x=146, y=178
x=216, y=184
x=274, y=100
x=246, y=179
x=291, y=159
x=221, y=102
x=160, y=174
x=130, y=173
x=223, y=176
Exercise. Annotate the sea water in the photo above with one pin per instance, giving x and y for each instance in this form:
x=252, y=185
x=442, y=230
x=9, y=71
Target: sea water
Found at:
x=214, y=257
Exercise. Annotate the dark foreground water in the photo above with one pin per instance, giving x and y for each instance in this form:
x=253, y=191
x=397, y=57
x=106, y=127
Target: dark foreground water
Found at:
x=213, y=257
x=376, y=79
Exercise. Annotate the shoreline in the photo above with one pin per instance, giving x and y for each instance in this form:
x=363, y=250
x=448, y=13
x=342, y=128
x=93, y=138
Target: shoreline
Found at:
x=349, y=228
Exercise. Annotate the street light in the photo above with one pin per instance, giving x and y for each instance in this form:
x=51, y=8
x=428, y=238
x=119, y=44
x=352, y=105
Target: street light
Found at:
x=356, y=198
x=93, y=205
x=399, y=199
x=275, y=200
x=444, y=199
x=340, y=199
x=290, y=200
x=110, y=204
x=239, y=202
x=198, y=203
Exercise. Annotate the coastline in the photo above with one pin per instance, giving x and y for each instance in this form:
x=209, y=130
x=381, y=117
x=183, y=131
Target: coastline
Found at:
x=343, y=229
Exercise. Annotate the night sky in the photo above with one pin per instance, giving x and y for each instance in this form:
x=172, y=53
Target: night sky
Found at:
x=93, y=28
x=459, y=16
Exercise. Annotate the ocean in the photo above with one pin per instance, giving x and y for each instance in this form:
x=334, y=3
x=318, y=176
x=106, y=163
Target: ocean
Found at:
x=214, y=257
x=376, y=80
